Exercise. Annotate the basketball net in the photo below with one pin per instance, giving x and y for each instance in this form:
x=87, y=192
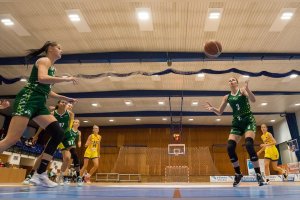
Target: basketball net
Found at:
x=292, y=148
x=176, y=122
x=176, y=137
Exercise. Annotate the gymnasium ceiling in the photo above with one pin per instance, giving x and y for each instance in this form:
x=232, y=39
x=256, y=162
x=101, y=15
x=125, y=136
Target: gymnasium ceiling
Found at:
x=253, y=36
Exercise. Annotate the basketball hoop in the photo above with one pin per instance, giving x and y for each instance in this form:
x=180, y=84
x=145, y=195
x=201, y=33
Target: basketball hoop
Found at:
x=176, y=152
x=176, y=149
x=292, y=148
x=293, y=145
x=176, y=137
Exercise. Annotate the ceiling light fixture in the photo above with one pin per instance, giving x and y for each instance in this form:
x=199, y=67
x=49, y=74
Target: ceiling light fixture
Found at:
x=74, y=17
x=161, y=103
x=286, y=16
x=143, y=15
x=293, y=76
x=7, y=22
x=214, y=15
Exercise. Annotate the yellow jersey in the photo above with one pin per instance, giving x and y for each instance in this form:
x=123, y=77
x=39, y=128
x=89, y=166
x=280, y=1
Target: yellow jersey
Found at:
x=94, y=142
x=267, y=138
x=271, y=151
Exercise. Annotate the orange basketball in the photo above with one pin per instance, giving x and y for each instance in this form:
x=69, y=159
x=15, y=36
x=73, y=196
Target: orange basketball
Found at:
x=212, y=49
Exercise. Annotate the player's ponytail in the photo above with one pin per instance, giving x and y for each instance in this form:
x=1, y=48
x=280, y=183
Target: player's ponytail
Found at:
x=36, y=52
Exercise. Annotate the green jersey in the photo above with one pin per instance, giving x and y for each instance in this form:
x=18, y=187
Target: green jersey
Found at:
x=63, y=120
x=70, y=138
x=72, y=135
x=239, y=104
x=33, y=82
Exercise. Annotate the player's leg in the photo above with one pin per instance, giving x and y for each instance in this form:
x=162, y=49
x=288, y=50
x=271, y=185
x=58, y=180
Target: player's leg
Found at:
x=233, y=139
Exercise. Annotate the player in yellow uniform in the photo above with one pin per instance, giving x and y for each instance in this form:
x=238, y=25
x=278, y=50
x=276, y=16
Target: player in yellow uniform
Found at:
x=271, y=152
x=92, y=152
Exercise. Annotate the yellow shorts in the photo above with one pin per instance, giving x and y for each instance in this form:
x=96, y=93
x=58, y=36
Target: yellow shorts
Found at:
x=91, y=154
x=272, y=153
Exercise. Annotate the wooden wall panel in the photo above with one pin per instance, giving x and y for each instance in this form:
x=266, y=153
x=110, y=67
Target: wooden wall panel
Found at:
x=158, y=138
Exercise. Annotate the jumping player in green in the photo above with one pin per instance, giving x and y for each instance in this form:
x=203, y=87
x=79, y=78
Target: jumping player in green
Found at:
x=243, y=123
x=64, y=118
x=30, y=103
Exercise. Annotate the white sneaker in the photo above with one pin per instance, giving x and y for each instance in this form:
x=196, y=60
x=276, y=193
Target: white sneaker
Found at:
x=35, y=180
x=61, y=180
x=79, y=181
x=42, y=180
x=66, y=182
x=26, y=181
x=87, y=178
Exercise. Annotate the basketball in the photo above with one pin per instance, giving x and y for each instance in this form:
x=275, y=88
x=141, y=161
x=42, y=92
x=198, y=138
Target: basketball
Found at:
x=212, y=49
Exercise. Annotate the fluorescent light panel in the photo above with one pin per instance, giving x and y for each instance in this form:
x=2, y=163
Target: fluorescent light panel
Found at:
x=282, y=19
x=78, y=20
x=161, y=103
x=13, y=24
x=74, y=17
x=155, y=78
x=144, y=17
x=200, y=77
x=286, y=15
x=293, y=76
x=213, y=19
x=214, y=15
x=7, y=22
x=194, y=103
x=128, y=102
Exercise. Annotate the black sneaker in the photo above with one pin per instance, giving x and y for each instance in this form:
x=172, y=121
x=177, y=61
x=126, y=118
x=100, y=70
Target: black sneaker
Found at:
x=260, y=179
x=237, y=179
x=267, y=181
x=79, y=181
x=285, y=175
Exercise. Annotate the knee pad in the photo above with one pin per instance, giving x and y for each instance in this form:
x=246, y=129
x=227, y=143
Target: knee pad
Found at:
x=250, y=149
x=231, y=145
x=55, y=131
x=75, y=158
x=57, y=135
